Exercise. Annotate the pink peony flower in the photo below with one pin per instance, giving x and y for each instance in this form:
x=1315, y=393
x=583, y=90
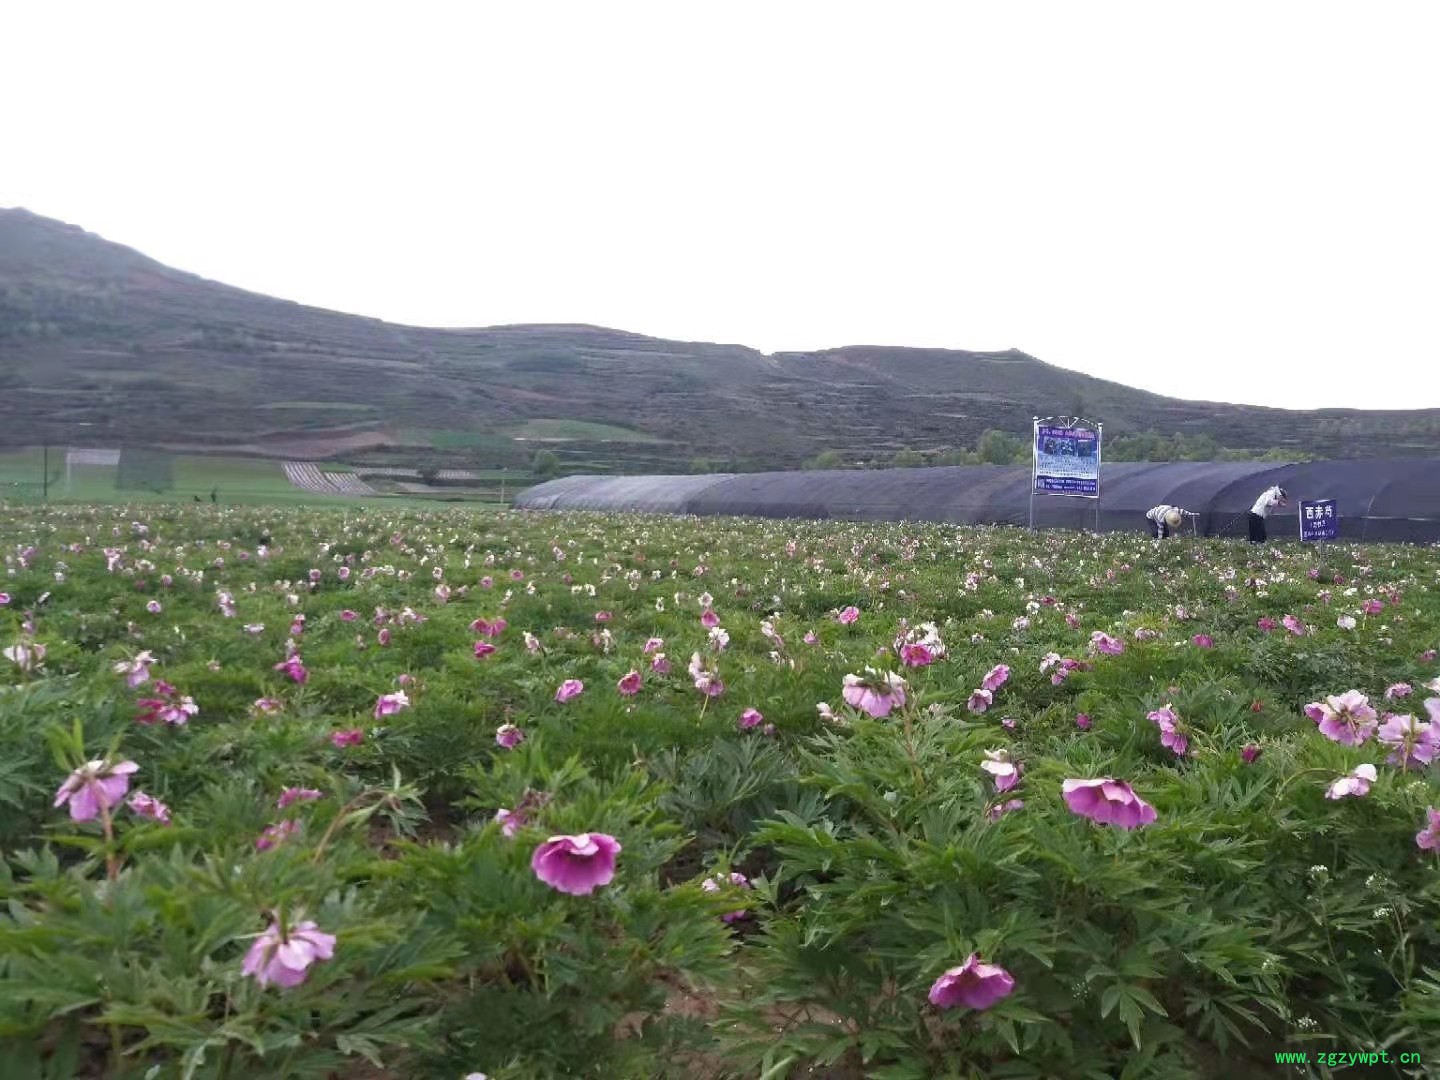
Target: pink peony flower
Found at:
x=293, y=668
x=1347, y=718
x=734, y=880
x=95, y=786
x=275, y=834
x=810, y=638
x=1107, y=801
x=876, y=694
x=995, y=678
x=659, y=664
x=1294, y=625
x=999, y=810
x=980, y=700
x=848, y=615
x=653, y=644
x=1357, y=782
x=709, y=620
x=153, y=607
x=973, y=984
x=750, y=718
x=1101, y=642
x=483, y=649
x=1203, y=641
x=1428, y=838
x=1249, y=753
x=342, y=739
x=149, y=806
x=297, y=794
x=1266, y=624
x=136, y=671
x=577, y=864
x=603, y=616
x=349, y=616
x=998, y=764
x=1083, y=721
x=509, y=736
x=630, y=684
x=285, y=959
x=570, y=688
x=917, y=655
x=1398, y=690
x=390, y=704
x=1412, y=742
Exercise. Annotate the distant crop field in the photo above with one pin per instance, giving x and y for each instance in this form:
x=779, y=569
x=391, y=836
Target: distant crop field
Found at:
x=580, y=430
x=146, y=476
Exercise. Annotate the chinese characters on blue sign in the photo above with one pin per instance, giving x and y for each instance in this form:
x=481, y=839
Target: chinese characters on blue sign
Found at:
x=1067, y=461
x=1319, y=520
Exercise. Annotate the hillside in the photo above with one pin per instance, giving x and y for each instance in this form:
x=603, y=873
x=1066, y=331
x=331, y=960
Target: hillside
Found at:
x=102, y=345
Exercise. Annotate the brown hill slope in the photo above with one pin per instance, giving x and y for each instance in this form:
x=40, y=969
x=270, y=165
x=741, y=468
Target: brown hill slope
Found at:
x=92, y=332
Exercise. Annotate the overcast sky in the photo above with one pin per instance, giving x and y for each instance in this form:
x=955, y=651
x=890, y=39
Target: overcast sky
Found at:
x=1231, y=201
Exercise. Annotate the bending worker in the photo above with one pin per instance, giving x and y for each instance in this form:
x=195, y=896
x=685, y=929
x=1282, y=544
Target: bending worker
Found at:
x=1164, y=519
x=1269, y=499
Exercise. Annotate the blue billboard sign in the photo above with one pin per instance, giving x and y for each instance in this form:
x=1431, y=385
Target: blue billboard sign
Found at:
x=1067, y=461
x=1319, y=519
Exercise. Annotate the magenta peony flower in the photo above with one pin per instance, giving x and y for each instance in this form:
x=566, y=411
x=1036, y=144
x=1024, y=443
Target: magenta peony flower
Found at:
x=570, y=688
x=973, y=984
x=1101, y=642
x=509, y=736
x=1107, y=801
x=876, y=694
x=351, y=737
x=751, y=718
x=149, y=806
x=95, y=786
x=995, y=678
x=998, y=764
x=709, y=620
x=1347, y=718
x=578, y=864
x=1083, y=721
x=285, y=959
x=1266, y=624
x=917, y=655
x=1249, y=753
x=630, y=684
x=293, y=668
x=483, y=649
x=296, y=794
x=734, y=880
x=390, y=704
x=1428, y=838
x=660, y=664
x=275, y=834
x=1413, y=743
x=1203, y=641
x=1357, y=782
x=999, y=810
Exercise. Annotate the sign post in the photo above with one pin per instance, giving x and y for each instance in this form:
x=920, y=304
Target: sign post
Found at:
x=1319, y=522
x=1065, y=460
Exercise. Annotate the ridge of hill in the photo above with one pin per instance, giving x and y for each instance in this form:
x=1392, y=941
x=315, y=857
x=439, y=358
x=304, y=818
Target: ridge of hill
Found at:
x=101, y=345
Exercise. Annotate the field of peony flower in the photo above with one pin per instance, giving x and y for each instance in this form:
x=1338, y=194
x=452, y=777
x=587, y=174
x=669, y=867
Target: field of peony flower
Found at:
x=379, y=793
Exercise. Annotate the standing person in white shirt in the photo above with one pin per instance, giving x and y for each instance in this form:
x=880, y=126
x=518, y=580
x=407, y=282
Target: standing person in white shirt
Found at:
x=1164, y=519
x=1269, y=499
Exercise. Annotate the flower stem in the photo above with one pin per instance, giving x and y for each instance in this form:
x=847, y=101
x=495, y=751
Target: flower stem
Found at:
x=353, y=804
x=112, y=863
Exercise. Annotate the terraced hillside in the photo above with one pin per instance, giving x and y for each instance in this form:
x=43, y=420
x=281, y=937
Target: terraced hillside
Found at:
x=95, y=334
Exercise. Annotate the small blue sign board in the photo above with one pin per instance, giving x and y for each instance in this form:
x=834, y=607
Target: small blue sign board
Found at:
x=1319, y=519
